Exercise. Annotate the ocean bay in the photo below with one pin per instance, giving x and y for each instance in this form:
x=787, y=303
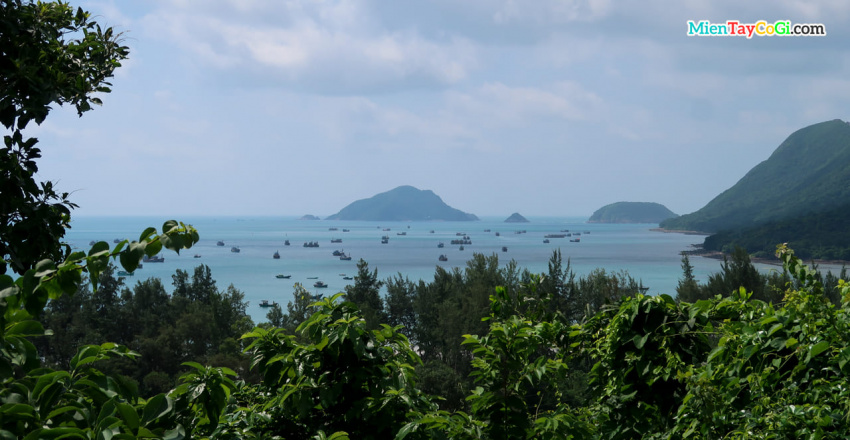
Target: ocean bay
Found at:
x=649, y=256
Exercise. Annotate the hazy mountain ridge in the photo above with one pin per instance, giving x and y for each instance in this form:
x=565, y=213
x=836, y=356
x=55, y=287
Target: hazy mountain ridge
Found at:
x=404, y=203
x=799, y=195
x=808, y=172
x=632, y=212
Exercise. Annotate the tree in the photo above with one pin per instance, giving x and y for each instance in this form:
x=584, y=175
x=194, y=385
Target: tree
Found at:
x=366, y=293
x=399, y=303
x=51, y=55
x=298, y=310
x=688, y=289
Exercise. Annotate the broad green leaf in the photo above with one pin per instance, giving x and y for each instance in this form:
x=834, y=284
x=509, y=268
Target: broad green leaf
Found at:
x=818, y=348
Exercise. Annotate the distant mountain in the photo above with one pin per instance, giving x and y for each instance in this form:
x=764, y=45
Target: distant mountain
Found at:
x=402, y=204
x=809, y=172
x=632, y=212
x=799, y=195
x=309, y=217
x=516, y=218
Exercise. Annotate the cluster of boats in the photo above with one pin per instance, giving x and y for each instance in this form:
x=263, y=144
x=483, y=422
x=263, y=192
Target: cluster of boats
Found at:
x=342, y=255
x=311, y=244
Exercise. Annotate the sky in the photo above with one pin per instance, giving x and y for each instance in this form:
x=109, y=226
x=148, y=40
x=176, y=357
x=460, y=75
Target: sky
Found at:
x=544, y=107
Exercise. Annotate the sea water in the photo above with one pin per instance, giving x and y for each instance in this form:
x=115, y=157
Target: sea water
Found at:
x=652, y=257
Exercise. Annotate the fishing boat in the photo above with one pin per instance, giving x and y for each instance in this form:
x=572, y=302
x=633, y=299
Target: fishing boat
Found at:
x=504, y=248
x=197, y=256
x=401, y=233
x=319, y=284
x=344, y=257
x=312, y=278
x=346, y=230
x=336, y=240
x=276, y=255
x=219, y=243
x=545, y=240
x=91, y=243
x=461, y=248
x=575, y=240
x=443, y=258
x=154, y=259
x=123, y=273
x=281, y=276
x=348, y=278
x=286, y=243
x=235, y=249
x=266, y=303
x=441, y=245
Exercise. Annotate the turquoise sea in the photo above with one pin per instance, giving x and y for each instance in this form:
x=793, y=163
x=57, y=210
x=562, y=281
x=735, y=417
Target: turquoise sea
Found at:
x=652, y=257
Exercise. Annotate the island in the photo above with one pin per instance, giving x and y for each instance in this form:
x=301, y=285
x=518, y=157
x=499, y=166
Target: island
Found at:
x=309, y=217
x=516, y=218
x=404, y=203
x=632, y=212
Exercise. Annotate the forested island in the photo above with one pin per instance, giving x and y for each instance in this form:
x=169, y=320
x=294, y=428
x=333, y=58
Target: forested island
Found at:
x=631, y=212
x=404, y=203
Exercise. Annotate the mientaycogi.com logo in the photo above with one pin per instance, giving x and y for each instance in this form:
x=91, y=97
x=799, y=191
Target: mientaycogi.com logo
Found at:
x=734, y=28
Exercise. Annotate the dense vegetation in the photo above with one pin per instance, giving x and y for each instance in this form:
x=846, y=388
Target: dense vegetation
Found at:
x=632, y=212
x=513, y=354
x=823, y=235
x=404, y=203
x=197, y=323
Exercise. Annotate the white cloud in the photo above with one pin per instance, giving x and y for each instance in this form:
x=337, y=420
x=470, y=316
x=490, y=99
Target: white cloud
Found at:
x=320, y=45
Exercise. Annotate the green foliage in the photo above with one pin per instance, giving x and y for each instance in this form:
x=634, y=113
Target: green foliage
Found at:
x=688, y=289
x=345, y=378
x=788, y=365
x=641, y=349
x=366, y=293
x=51, y=55
x=819, y=235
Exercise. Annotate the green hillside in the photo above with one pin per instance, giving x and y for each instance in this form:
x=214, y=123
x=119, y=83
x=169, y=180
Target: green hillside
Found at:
x=808, y=173
x=631, y=212
x=823, y=235
x=402, y=204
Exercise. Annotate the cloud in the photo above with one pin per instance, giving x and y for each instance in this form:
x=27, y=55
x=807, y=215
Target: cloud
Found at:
x=323, y=46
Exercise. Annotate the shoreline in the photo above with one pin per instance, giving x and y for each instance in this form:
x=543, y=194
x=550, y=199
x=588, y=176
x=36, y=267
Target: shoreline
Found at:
x=671, y=231
x=718, y=255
